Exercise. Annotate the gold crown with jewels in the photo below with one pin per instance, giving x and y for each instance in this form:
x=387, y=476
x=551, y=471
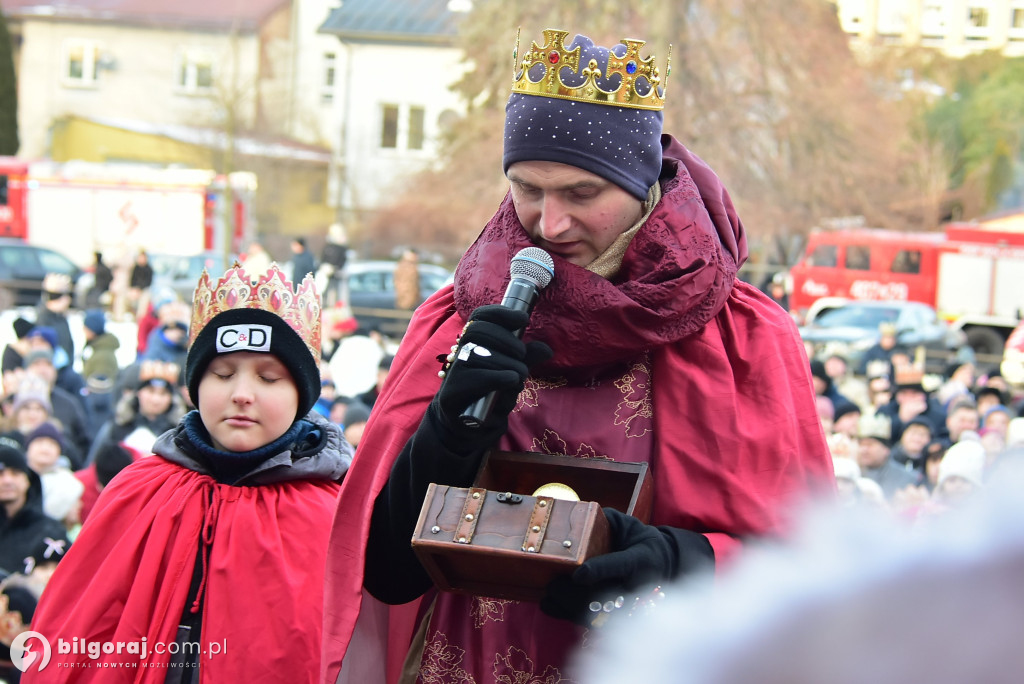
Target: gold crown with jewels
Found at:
x=555, y=57
x=271, y=292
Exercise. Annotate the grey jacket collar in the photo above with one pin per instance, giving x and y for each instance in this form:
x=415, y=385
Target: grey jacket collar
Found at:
x=329, y=463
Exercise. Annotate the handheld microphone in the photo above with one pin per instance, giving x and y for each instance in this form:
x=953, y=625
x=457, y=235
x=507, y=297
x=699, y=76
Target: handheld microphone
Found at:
x=532, y=270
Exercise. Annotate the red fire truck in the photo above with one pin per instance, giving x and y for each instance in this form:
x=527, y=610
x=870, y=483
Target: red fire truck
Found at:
x=79, y=208
x=972, y=273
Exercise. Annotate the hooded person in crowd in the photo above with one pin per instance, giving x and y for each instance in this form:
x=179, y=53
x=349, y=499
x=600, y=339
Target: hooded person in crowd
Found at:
x=644, y=347
x=220, y=536
x=23, y=524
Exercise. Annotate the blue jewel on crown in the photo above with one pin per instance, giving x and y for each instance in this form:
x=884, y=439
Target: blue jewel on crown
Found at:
x=632, y=69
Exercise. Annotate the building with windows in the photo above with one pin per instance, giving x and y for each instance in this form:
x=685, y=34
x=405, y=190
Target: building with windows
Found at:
x=334, y=105
x=187, y=83
x=957, y=27
x=389, y=76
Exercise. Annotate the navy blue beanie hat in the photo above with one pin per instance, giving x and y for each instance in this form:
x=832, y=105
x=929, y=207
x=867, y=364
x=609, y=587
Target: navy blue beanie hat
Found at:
x=95, y=321
x=619, y=144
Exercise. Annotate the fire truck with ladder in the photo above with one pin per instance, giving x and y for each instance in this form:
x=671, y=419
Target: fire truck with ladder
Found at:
x=971, y=273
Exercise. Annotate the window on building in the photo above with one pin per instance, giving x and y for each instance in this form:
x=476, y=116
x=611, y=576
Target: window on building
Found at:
x=196, y=72
x=1017, y=19
x=81, y=63
x=977, y=17
x=330, y=73
x=389, y=128
x=403, y=127
x=416, y=115
x=858, y=258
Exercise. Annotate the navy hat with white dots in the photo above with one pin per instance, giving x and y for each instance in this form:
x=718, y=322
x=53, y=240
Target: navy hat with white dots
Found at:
x=619, y=144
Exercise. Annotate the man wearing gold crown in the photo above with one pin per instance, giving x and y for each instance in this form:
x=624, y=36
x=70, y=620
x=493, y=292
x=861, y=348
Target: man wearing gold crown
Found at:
x=644, y=348
x=217, y=541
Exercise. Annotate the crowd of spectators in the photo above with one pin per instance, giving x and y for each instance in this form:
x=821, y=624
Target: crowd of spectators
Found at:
x=910, y=442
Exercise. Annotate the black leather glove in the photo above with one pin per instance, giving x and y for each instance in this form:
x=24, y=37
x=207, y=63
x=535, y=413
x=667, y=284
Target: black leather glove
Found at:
x=490, y=358
x=641, y=555
x=445, y=451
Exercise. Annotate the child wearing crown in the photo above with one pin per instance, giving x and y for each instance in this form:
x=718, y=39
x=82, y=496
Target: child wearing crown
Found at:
x=219, y=538
x=644, y=347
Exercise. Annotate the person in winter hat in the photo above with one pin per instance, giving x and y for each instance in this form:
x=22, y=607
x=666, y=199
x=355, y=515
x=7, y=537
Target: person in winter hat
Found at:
x=100, y=367
x=62, y=491
x=961, y=473
x=235, y=503
x=23, y=525
x=101, y=347
x=642, y=347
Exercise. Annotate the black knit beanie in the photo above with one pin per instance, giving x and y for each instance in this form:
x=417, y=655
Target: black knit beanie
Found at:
x=619, y=144
x=254, y=330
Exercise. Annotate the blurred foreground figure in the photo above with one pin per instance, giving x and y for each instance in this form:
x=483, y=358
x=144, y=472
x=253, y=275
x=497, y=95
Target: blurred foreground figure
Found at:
x=855, y=599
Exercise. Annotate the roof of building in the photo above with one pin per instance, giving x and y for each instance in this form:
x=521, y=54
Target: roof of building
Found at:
x=397, y=21
x=243, y=15
x=259, y=145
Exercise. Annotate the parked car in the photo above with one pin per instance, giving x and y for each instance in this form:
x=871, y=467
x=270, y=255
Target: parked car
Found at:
x=22, y=269
x=1012, y=366
x=181, y=272
x=850, y=327
x=371, y=289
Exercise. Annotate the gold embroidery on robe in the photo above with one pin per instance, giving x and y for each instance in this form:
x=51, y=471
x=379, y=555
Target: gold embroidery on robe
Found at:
x=530, y=396
x=551, y=443
x=486, y=610
x=441, y=663
x=516, y=668
x=635, y=386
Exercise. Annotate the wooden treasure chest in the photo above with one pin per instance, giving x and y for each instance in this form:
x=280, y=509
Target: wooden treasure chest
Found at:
x=527, y=518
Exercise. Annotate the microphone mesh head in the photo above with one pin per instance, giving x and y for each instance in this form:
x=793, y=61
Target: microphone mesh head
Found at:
x=534, y=264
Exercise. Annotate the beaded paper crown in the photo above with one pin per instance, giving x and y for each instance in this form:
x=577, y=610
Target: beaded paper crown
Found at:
x=630, y=67
x=272, y=292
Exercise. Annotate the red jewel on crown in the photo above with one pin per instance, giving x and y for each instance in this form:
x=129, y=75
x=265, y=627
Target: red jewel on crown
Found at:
x=632, y=69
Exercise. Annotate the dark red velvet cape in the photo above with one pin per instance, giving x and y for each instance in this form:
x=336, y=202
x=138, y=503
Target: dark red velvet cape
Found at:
x=738, y=441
